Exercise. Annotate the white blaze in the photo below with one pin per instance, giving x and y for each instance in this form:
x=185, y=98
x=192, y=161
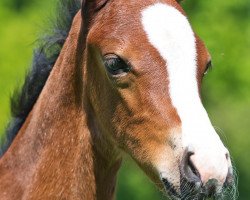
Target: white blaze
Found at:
x=169, y=31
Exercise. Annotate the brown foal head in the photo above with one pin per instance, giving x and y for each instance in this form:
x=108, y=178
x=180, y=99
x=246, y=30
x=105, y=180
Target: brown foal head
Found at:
x=144, y=67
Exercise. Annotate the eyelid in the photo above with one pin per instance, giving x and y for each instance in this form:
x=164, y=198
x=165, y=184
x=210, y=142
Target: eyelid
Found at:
x=114, y=55
x=110, y=56
x=210, y=64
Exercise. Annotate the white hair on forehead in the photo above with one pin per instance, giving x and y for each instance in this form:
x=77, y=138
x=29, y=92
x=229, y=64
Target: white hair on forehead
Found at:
x=169, y=31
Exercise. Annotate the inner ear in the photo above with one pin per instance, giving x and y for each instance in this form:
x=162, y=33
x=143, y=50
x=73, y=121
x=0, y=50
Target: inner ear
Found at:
x=94, y=5
x=100, y=4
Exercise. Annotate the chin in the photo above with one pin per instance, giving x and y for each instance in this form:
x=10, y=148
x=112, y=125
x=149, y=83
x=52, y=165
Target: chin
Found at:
x=198, y=191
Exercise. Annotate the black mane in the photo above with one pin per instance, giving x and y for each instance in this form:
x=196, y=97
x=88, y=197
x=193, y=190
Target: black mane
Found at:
x=44, y=58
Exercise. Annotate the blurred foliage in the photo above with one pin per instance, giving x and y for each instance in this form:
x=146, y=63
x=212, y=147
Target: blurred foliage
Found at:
x=16, y=5
x=224, y=26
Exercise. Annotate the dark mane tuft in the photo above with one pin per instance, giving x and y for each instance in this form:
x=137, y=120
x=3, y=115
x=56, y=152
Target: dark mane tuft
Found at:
x=44, y=58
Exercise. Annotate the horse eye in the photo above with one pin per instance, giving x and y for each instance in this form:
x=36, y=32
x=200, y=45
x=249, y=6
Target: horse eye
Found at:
x=115, y=65
x=208, y=67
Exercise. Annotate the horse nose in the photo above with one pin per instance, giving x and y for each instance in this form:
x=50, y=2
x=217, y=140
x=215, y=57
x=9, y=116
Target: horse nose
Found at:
x=202, y=167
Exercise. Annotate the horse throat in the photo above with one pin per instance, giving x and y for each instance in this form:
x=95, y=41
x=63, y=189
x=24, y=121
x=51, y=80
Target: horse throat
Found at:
x=57, y=153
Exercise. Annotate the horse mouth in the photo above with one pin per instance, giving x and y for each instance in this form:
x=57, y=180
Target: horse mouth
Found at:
x=188, y=191
x=189, y=194
x=171, y=190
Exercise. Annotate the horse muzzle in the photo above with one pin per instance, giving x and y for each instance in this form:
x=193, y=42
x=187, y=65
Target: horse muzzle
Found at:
x=202, y=176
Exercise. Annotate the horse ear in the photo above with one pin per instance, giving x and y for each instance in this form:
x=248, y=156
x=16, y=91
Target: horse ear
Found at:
x=94, y=5
x=91, y=7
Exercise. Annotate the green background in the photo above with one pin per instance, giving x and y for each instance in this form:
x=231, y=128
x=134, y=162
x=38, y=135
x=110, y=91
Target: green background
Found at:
x=224, y=25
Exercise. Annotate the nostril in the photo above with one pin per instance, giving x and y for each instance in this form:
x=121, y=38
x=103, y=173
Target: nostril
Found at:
x=193, y=169
x=188, y=170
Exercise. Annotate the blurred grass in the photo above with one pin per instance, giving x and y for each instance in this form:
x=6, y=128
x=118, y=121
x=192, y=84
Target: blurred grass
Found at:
x=224, y=26
x=18, y=33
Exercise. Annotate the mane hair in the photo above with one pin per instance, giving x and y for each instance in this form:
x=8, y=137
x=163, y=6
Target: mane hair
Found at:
x=44, y=58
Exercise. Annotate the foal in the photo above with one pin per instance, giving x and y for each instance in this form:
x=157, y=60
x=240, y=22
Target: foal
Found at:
x=128, y=78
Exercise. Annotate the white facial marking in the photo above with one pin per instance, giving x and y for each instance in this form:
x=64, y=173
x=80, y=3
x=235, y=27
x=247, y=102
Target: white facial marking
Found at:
x=169, y=31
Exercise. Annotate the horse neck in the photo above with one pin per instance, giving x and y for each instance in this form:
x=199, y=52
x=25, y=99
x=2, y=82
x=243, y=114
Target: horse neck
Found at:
x=60, y=152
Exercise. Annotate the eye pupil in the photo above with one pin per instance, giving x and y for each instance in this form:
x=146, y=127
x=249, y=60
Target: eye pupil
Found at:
x=115, y=65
